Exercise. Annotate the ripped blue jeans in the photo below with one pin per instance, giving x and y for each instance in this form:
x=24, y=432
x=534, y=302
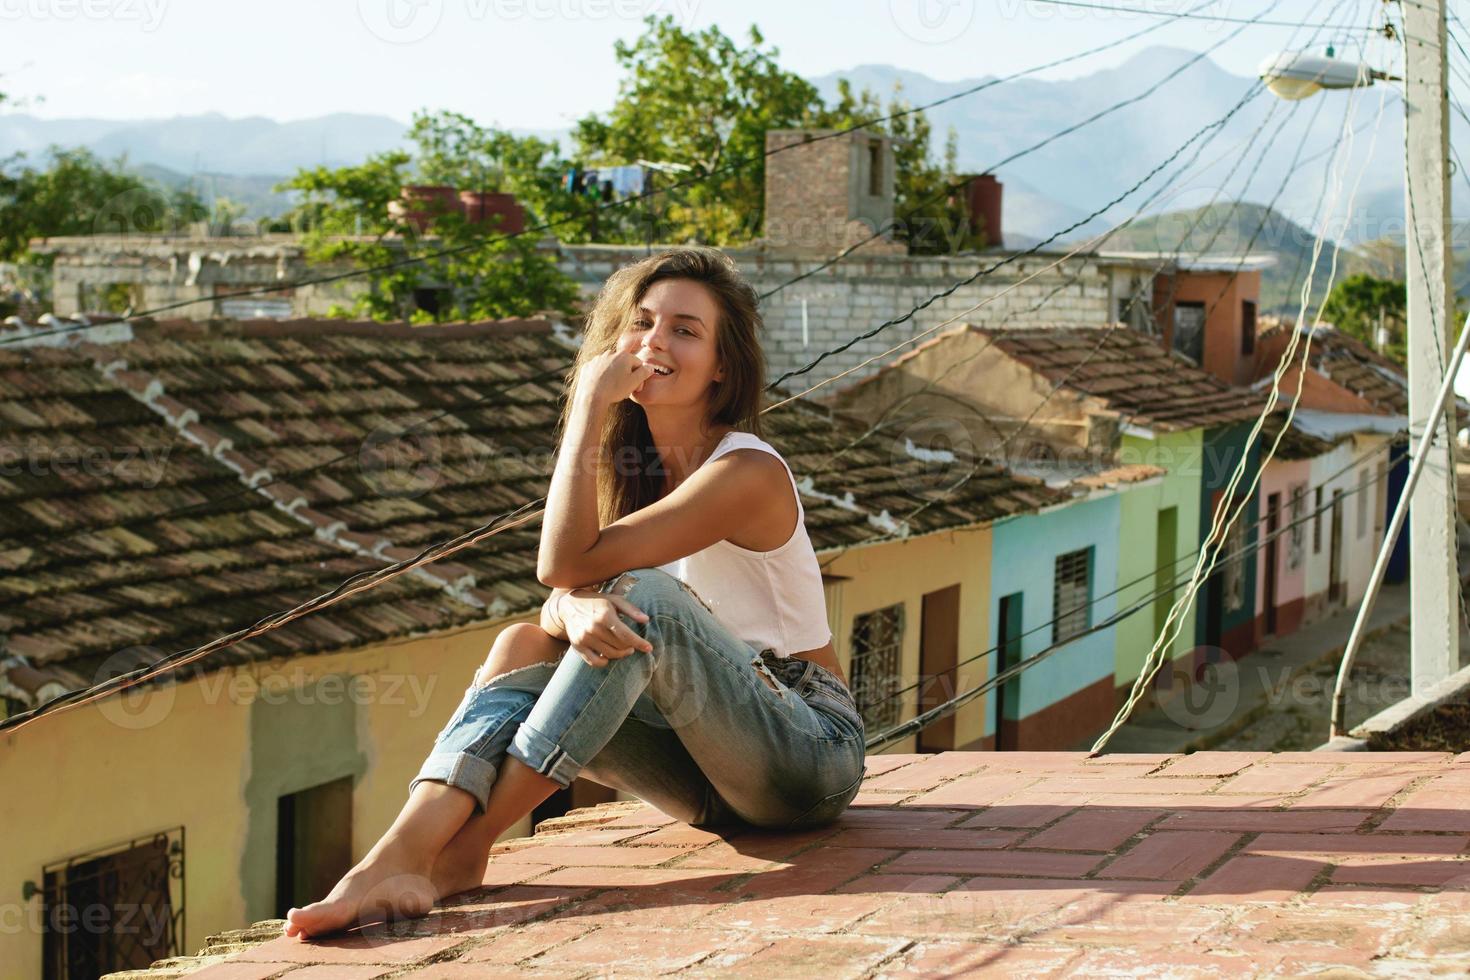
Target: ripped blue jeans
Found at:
x=705, y=728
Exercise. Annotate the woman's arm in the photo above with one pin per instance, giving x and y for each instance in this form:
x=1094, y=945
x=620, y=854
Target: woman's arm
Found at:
x=551, y=620
x=721, y=499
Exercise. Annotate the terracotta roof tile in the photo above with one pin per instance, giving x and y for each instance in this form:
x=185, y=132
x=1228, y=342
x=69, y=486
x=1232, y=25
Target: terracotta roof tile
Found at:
x=286, y=441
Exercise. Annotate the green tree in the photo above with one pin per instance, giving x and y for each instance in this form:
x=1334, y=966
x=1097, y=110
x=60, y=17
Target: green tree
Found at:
x=1356, y=305
x=699, y=100
x=462, y=270
x=73, y=192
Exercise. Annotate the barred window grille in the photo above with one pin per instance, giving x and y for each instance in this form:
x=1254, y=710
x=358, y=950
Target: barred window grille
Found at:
x=1297, y=537
x=877, y=658
x=1071, y=605
x=119, y=908
x=1233, y=576
x=1363, y=501
x=1317, y=523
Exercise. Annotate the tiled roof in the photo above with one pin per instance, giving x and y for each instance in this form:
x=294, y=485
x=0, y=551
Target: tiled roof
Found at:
x=1131, y=373
x=1216, y=864
x=286, y=437
x=1347, y=361
x=1295, y=444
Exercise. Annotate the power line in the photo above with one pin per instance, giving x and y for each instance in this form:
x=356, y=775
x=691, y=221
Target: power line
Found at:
x=1229, y=496
x=1190, y=15
x=957, y=186
x=736, y=164
x=379, y=576
x=1241, y=553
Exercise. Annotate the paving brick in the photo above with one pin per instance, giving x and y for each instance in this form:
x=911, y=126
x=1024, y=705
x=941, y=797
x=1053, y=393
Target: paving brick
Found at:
x=1340, y=845
x=976, y=791
x=1092, y=829
x=567, y=855
x=647, y=951
x=929, y=772
x=1430, y=810
x=459, y=970
x=807, y=914
x=1364, y=935
x=877, y=765
x=241, y=971
x=1342, y=821
x=1104, y=922
x=1390, y=871
x=1255, y=878
x=822, y=869
x=603, y=877
x=833, y=956
x=881, y=883
x=1033, y=863
x=924, y=837
x=1092, y=784
x=360, y=947
x=894, y=816
x=981, y=959
x=1027, y=809
x=1355, y=791
x=515, y=945
x=1365, y=897
x=1171, y=855
x=1269, y=778
x=339, y=971
x=1213, y=763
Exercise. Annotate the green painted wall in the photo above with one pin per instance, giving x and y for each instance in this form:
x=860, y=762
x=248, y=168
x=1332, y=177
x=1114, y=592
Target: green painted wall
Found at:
x=300, y=737
x=1180, y=454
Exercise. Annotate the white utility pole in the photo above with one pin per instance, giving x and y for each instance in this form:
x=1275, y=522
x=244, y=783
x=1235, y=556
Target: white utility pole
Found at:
x=1433, y=583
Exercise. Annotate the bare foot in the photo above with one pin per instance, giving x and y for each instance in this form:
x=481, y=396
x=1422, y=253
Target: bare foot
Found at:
x=460, y=867
x=382, y=888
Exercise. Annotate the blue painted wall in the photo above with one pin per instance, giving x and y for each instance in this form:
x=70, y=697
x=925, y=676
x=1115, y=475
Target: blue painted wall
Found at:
x=1023, y=559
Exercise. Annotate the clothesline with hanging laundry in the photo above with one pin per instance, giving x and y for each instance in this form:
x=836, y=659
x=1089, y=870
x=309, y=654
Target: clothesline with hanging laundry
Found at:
x=605, y=183
x=610, y=183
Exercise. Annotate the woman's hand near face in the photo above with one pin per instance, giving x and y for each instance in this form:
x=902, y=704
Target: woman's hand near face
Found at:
x=594, y=628
x=612, y=376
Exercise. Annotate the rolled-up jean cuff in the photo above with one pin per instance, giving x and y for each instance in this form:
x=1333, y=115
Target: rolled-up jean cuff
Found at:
x=544, y=756
x=462, y=771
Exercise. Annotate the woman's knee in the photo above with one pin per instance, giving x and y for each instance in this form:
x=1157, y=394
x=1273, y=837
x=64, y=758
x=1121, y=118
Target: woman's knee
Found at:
x=519, y=645
x=655, y=590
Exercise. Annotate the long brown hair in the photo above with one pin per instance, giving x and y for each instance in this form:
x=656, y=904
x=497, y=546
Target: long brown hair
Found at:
x=736, y=401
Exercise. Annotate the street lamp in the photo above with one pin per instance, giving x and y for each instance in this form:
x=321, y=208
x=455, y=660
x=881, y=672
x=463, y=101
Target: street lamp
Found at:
x=1434, y=633
x=1293, y=75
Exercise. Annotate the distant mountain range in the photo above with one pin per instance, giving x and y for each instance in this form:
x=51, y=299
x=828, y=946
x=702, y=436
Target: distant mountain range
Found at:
x=1045, y=190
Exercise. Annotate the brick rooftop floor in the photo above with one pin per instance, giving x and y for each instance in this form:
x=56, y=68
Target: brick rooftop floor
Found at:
x=1018, y=864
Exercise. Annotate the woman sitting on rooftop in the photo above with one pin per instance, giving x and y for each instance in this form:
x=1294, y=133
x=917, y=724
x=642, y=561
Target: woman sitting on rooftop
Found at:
x=684, y=655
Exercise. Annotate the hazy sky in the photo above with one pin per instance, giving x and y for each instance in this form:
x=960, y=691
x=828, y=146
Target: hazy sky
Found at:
x=535, y=63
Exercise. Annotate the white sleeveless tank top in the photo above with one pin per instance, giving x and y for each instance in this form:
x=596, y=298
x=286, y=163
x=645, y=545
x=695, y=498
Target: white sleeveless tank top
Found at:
x=766, y=598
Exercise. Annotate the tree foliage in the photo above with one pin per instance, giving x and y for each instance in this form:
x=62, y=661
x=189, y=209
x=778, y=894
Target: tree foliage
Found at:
x=701, y=100
x=462, y=270
x=73, y=192
x=1356, y=303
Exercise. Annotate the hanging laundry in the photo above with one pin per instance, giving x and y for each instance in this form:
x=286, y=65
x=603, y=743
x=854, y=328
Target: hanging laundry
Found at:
x=625, y=180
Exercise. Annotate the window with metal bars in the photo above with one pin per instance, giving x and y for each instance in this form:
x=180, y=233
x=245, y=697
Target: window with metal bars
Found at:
x=1071, y=603
x=118, y=908
x=877, y=660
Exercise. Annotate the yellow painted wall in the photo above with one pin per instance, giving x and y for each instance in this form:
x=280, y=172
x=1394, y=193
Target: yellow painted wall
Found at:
x=183, y=755
x=904, y=571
